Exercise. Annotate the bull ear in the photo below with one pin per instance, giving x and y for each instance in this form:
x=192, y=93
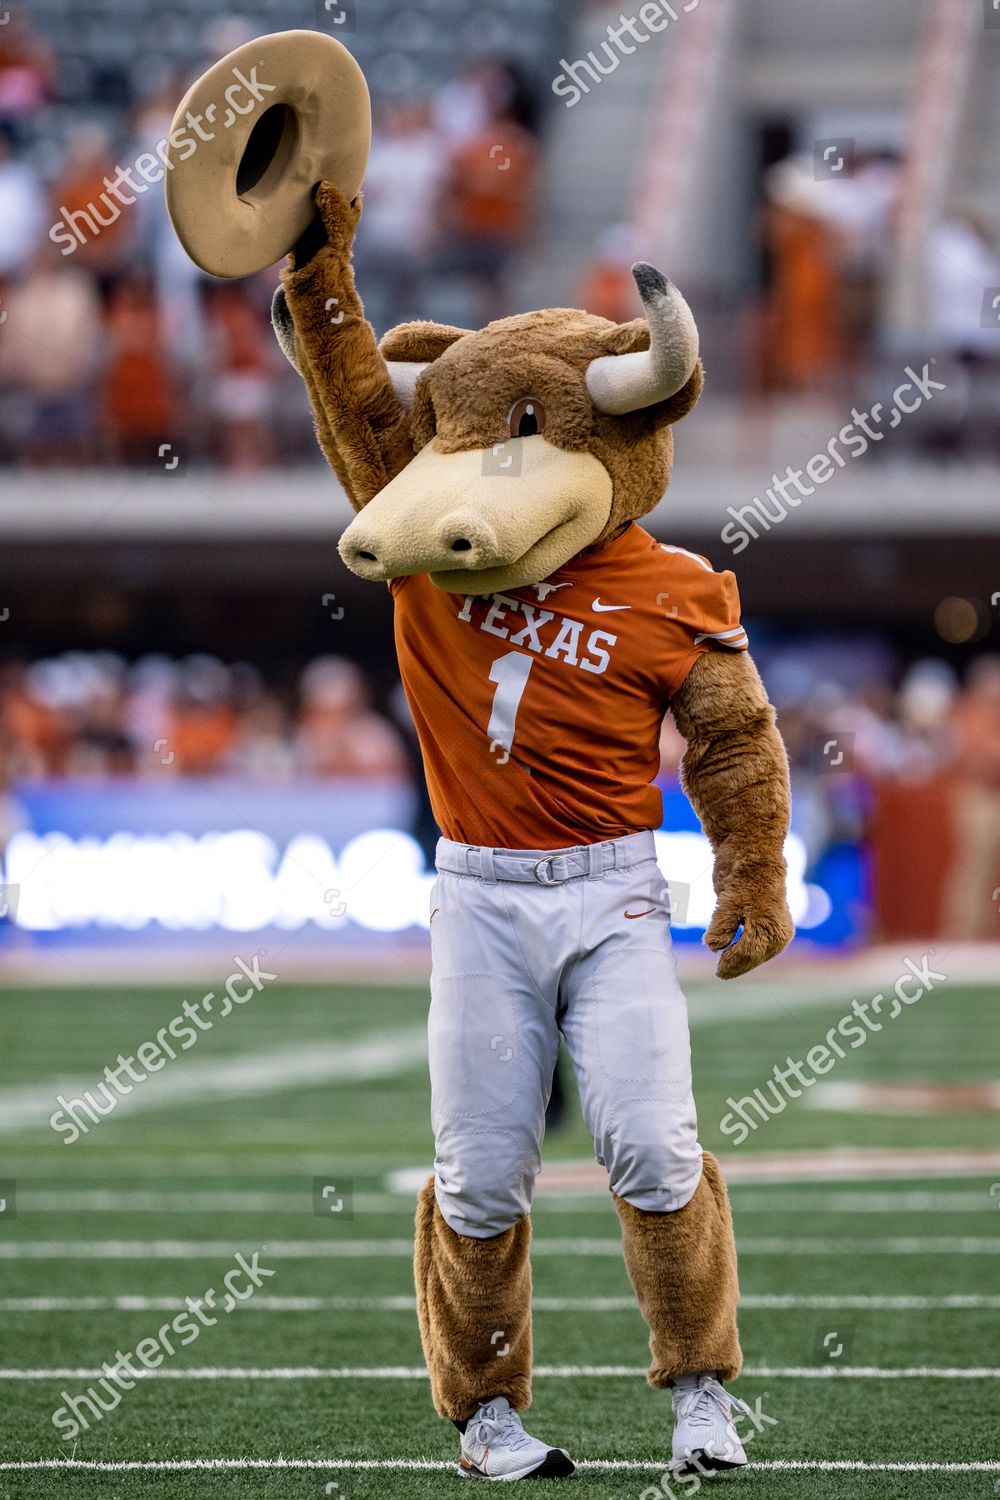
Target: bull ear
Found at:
x=409, y=348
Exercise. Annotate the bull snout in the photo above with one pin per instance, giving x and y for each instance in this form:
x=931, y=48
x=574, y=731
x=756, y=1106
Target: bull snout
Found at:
x=461, y=539
x=472, y=529
x=467, y=540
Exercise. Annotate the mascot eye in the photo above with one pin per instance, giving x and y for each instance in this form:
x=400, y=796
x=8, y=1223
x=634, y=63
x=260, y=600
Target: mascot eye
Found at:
x=527, y=418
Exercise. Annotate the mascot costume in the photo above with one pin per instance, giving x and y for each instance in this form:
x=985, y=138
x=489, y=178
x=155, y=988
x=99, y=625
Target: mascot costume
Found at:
x=499, y=476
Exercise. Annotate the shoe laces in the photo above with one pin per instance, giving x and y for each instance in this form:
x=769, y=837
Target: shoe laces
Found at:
x=492, y=1423
x=698, y=1404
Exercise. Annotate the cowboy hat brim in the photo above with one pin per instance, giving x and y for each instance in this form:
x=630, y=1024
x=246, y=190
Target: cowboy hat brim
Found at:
x=252, y=138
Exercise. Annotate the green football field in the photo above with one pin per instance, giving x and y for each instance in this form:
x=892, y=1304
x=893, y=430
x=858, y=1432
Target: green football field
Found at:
x=871, y=1304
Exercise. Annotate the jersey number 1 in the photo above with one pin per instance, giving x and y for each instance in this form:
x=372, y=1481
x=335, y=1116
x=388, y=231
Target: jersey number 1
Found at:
x=510, y=673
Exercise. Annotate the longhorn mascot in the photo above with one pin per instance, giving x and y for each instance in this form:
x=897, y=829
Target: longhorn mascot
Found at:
x=499, y=477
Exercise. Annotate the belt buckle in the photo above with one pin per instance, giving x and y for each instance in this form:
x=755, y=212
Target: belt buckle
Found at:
x=536, y=871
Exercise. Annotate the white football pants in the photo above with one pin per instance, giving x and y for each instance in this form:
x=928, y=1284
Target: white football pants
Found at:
x=528, y=944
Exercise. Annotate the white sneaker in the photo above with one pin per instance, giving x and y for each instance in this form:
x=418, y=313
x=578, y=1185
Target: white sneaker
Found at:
x=496, y=1446
x=705, y=1436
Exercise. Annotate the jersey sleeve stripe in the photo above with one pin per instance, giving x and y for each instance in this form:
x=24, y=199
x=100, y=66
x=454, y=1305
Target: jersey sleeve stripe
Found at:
x=734, y=638
x=694, y=556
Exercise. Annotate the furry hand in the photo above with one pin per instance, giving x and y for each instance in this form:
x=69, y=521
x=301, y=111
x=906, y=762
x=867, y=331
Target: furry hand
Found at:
x=754, y=897
x=334, y=225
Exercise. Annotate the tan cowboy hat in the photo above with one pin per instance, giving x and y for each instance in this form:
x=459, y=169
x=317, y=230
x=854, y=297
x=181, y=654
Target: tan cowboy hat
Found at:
x=251, y=139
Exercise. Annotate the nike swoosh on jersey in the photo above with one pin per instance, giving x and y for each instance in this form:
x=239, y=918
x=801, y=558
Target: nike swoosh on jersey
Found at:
x=631, y=915
x=604, y=608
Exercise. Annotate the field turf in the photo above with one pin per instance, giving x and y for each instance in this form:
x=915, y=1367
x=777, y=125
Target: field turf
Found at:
x=850, y=1283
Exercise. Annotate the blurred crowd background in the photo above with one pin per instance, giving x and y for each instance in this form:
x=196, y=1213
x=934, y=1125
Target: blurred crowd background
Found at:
x=111, y=346
x=120, y=340
x=849, y=230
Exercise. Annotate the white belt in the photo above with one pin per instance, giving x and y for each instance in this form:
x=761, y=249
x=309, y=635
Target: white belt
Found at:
x=545, y=866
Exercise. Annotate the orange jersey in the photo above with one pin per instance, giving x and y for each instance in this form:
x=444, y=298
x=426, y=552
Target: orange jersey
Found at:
x=539, y=711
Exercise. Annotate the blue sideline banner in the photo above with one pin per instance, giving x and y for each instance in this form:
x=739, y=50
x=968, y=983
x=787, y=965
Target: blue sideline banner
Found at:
x=166, y=864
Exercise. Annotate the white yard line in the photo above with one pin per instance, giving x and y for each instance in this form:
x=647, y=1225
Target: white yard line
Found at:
x=232, y=1201
x=904, y=1245
x=235, y=1159
x=955, y=1302
x=952, y=1302
x=175, y=1201
x=777, y=1169
x=838, y=1465
x=376, y=1054
x=550, y=1372
x=900, y=1202
x=336, y=1249
x=444, y=1465
x=583, y=1178
x=845, y=1096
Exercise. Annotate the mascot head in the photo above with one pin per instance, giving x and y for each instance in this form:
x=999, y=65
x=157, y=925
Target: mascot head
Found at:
x=535, y=438
x=513, y=448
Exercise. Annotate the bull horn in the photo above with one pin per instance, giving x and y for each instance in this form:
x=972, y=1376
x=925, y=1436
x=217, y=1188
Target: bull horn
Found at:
x=404, y=374
x=284, y=328
x=620, y=383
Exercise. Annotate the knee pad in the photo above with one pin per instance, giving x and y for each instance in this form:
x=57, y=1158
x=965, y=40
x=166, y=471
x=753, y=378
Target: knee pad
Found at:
x=483, y=1180
x=653, y=1156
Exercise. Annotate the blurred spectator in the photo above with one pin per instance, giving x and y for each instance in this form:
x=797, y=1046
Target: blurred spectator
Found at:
x=400, y=224
x=243, y=361
x=863, y=209
x=803, y=343
x=973, y=899
x=486, y=87
x=489, y=206
x=202, y=725
x=607, y=288
x=960, y=266
x=148, y=710
x=138, y=394
x=339, y=735
x=829, y=243
x=464, y=106
x=262, y=749
x=960, y=263
x=22, y=211
x=176, y=276
x=928, y=740
x=34, y=736
x=27, y=70
x=223, y=34
x=78, y=192
x=101, y=745
x=50, y=348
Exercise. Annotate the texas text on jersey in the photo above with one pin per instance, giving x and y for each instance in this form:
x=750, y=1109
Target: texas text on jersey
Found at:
x=549, y=699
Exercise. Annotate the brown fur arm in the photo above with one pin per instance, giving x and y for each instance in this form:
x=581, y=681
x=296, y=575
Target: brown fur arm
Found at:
x=284, y=329
x=362, y=426
x=735, y=774
x=324, y=435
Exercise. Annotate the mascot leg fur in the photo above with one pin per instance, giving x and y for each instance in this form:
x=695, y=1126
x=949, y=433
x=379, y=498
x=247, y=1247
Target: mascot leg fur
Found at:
x=468, y=1292
x=681, y=1264
x=683, y=1268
